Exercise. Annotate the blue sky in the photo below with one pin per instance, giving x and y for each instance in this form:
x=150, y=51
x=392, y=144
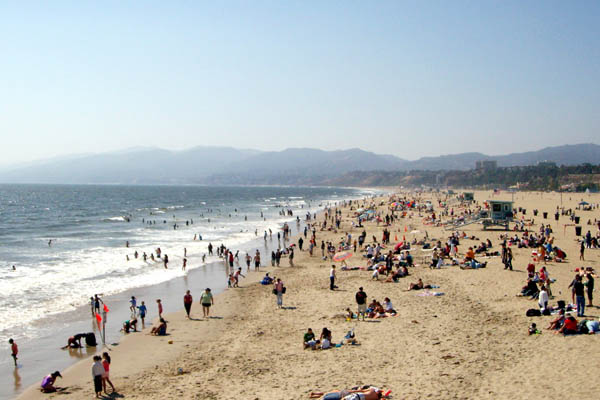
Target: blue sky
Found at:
x=405, y=78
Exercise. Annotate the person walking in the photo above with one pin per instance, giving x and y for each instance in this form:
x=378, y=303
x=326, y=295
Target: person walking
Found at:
x=361, y=301
x=187, y=303
x=581, y=251
x=14, y=349
x=579, y=290
x=279, y=290
x=207, y=300
x=590, y=286
x=332, y=278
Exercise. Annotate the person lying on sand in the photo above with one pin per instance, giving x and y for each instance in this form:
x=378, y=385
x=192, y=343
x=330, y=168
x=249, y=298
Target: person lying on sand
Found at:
x=371, y=393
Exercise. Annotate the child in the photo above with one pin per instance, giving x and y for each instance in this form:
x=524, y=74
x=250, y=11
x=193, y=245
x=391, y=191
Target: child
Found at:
x=533, y=330
x=160, y=308
x=105, y=376
x=14, y=349
x=97, y=373
x=133, y=305
x=142, y=310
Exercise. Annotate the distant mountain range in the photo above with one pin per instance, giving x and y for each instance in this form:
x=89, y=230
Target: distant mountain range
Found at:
x=227, y=165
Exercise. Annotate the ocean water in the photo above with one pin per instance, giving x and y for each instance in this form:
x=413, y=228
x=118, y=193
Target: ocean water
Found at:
x=89, y=226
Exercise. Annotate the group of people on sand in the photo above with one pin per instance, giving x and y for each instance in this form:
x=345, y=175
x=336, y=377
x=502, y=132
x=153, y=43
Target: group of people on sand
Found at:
x=325, y=340
x=366, y=392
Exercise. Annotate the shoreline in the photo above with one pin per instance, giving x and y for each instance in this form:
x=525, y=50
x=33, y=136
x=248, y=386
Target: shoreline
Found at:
x=458, y=345
x=119, y=302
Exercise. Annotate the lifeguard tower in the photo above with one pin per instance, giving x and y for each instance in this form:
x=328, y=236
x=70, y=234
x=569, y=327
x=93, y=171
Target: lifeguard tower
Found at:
x=500, y=213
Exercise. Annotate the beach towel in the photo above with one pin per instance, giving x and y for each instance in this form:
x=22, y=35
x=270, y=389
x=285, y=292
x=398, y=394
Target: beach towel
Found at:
x=427, y=293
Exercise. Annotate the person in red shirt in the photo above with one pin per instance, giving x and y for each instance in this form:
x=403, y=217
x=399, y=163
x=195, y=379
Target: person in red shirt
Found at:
x=14, y=349
x=569, y=326
x=187, y=303
x=160, y=308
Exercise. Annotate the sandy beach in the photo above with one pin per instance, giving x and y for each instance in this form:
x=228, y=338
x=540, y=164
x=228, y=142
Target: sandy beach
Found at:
x=470, y=343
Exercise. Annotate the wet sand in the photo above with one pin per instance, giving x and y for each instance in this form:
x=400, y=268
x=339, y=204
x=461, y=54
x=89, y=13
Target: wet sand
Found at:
x=470, y=343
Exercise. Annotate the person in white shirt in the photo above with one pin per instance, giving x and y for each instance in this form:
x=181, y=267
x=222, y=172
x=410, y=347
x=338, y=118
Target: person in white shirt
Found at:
x=543, y=299
x=332, y=278
x=97, y=372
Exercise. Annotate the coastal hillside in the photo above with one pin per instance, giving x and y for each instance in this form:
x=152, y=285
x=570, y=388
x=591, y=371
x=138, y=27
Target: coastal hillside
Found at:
x=228, y=166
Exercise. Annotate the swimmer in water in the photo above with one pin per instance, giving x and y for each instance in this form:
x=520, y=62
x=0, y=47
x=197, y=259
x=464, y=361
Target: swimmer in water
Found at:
x=184, y=264
x=49, y=242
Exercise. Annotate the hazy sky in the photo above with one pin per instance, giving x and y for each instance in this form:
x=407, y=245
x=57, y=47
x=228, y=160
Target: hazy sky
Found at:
x=404, y=78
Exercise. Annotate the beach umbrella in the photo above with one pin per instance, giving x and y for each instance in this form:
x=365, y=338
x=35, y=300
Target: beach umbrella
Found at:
x=415, y=231
x=342, y=256
x=583, y=203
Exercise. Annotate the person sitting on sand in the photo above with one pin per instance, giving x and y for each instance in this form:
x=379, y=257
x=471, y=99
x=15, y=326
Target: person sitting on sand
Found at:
x=349, y=314
x=569, y=327
x=557, y=322
x=418, y=286
x=161, y=329
x=388, y=306
x=48, y=382
x=530, y=289
x=325, y=339
x=473, y=264
x=309, y=339
x=74, y=342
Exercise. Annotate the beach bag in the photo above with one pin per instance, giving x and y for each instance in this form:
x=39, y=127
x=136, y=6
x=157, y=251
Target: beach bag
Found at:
x=284, y=290
x=533, y=312
x=561, y=304
x=90, y=339
x=274, y=291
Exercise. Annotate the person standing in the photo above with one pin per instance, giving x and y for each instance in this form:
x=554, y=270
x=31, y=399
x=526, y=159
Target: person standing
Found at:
x=206, y=299
x=332, y=278
x=160, y=308
x=509, y=257
x=106, y=375
x=142, y=313
x=361, y=301
x=187, y=303
x=590, y=286
x=279, y=288
x=97, y=373
x=257, y=261
x=581, y=251
x=291, y=257
x=14, y=349
x=579, y=290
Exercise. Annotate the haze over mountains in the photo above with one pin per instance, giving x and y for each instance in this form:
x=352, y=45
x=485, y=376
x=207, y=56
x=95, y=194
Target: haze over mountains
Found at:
x=226, y=165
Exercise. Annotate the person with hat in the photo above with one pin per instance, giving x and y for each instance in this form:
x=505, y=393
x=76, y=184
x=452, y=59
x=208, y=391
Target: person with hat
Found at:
x=48, y=382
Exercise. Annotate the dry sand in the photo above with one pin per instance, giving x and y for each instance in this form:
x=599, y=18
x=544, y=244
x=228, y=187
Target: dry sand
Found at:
x=470, y=343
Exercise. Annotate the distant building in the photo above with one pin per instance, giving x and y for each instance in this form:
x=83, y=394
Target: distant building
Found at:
x=486, y=165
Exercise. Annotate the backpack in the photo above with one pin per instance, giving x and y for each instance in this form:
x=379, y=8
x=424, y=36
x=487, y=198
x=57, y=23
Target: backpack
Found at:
x=90, y=339
x=561, y=304
x=533, y=312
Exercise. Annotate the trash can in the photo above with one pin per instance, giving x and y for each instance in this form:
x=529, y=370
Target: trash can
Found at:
x=524, y=211
x=576, y=220
x=556, y=216
x=578, y=230
x=535, y=213
x=545, y=215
